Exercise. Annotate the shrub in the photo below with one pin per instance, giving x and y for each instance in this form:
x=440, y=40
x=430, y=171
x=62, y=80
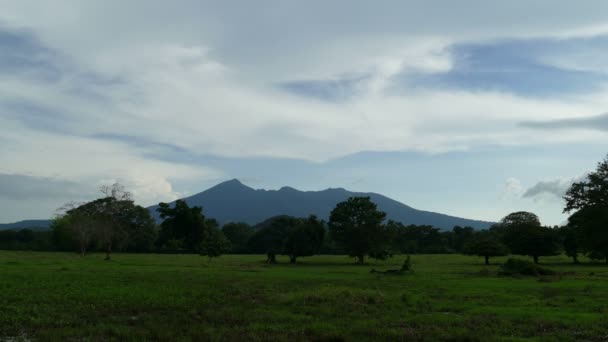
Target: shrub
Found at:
x=524, y=267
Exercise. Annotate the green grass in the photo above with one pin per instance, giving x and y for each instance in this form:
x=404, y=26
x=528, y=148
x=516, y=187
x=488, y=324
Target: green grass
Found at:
x=55, y=296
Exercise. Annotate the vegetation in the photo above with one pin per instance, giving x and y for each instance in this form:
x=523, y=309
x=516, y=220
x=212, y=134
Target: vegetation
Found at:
x=588, y=199
x=357, y=227
x=486, y=246
x=62, y=296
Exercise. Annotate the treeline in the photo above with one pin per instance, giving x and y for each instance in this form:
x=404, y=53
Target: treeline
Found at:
x=355, y=228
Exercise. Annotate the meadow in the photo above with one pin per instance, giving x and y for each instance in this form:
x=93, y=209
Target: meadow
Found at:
x=62, y=296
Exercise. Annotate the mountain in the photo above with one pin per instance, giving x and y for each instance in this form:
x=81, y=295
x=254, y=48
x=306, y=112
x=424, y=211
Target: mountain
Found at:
x=233, y=201
x=31, y=224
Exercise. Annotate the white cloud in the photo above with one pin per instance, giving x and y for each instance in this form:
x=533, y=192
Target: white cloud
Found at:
x=512, y=188
x=203, y=78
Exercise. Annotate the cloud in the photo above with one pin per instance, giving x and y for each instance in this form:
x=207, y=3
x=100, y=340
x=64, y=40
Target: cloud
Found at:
x=512, y=188
x=555, y=187
x=595, y=122
x=150, y=97
x=25, y=187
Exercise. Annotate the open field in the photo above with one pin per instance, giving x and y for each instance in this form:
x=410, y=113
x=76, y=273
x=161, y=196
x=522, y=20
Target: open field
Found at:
x=56, y=296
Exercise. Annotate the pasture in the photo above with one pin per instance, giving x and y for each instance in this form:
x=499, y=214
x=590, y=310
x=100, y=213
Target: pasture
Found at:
x=62, y=296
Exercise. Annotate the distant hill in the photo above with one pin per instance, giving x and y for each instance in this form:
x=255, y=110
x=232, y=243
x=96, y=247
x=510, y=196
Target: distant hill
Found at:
x=31, y=224
x=233, y=201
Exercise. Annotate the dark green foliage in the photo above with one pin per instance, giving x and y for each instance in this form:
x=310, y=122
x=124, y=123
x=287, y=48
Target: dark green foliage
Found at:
x=523, y=267
x=140, y=230
x=215, y=243
x=305, y=238
x=570, y=242
x=113, y=222
x=25, y=239
x=238, y=234
x=590, y=192
x=183, y=224
x=294, y=237
x=62, y=237
x=271, y=236
x=414, y=239
x=590, y=225
x=524, y=235
x=357, y=226
x=459, y=237
x=485, y=245
x=589, y=199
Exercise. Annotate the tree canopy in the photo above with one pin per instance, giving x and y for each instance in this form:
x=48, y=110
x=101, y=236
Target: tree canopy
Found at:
x=357, y=226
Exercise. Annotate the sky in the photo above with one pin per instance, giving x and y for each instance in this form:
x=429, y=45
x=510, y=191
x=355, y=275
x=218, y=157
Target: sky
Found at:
x=470, y=108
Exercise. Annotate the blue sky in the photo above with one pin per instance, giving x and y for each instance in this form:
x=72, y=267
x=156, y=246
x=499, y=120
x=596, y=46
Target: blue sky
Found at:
x=473, y=109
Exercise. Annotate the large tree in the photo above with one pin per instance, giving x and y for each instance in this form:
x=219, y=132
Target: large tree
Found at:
x=524, y=235
x=271, y=235
x=108, y=220
x=589, y=201
x=238, y=234
x=304, y=239
x=358, y=227
x=182, y=225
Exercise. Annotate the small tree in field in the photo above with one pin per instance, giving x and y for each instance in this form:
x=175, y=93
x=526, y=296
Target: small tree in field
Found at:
x=305, y=239
x=215, y=244
x=357, y=226
x=485, y=247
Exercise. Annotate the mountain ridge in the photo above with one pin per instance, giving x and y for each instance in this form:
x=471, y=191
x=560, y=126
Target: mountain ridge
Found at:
x=233, y=201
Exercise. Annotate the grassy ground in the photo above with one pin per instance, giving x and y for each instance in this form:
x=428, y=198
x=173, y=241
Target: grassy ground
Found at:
x=55, y=296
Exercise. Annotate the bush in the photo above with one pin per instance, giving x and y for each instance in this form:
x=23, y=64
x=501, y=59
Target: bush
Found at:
x=523, y=267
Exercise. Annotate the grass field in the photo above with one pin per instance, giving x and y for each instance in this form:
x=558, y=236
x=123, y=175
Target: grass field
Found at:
x=55, y=296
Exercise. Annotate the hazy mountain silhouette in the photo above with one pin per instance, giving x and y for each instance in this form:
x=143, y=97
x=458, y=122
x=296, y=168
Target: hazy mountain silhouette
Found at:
x=233, y=201
x=31, y=224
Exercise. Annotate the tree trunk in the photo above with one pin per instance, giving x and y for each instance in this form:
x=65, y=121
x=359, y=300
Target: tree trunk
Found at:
x=487, y=260
x=575, y=259
x=292, y=259
x=272, y=259
x=360, y=259
x=108, y=251
x=535, y=259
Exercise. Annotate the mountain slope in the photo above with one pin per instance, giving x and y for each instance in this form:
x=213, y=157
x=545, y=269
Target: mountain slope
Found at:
x=31, y=224
x=233, y=201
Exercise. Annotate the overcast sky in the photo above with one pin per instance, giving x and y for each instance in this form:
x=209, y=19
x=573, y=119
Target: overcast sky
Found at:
x=469, y=108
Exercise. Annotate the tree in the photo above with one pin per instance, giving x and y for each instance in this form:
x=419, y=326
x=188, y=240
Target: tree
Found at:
x=590, y=225
x=459, y=237
x=486, y=246
x=238, y=234
x=520, y=218
x=590, y=192
x=304, y=239
x=589, y=201
x=271, y=236
x=357, y=226
x=140, y=229
x=107, y=219
x=182, y=225
x=570, y=242
x=414, y=239
x=524, y=235
x=215, y=243
x=75, y=229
